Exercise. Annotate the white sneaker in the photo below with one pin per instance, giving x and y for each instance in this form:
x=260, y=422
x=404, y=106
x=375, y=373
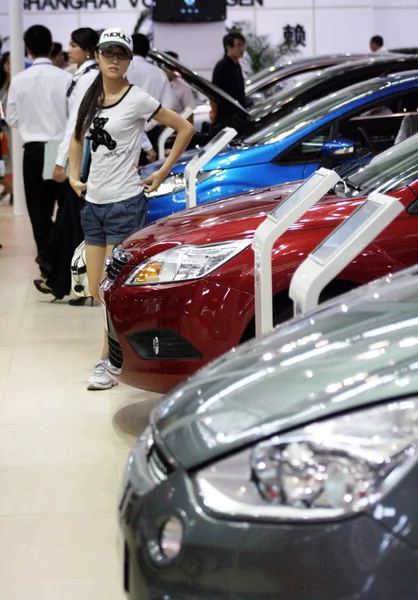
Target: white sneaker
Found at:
x=100, y=379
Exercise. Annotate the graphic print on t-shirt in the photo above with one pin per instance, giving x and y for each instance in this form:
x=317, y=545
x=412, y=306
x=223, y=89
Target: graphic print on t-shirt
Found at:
x=99, y=135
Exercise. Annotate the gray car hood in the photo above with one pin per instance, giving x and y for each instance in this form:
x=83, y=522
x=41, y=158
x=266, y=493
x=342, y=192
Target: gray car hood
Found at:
x=352, y=352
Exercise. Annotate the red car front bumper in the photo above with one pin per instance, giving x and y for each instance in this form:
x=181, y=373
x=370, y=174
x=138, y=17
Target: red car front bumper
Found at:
x=160, y=335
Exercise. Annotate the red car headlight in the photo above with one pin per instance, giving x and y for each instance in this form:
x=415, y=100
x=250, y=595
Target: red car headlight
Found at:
x=185, y=263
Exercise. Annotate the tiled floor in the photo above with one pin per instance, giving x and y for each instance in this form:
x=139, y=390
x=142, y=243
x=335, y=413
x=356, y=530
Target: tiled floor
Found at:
x=61, y=451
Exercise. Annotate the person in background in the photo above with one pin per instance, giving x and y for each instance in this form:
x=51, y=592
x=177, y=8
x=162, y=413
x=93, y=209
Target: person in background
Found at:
x=377, y=45
x=67, y=63
x=67, y=233
x=1, y=128
x=409, y=127
x=4, y=79
x=228, y=76
x=113, y=114
x=57, y=55
x=7, y=192
x=182, y=93
x=152, y=80
x=37, y=106
x=28, y=59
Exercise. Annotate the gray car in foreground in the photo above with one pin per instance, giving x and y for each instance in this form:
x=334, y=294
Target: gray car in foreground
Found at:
x=288, y=468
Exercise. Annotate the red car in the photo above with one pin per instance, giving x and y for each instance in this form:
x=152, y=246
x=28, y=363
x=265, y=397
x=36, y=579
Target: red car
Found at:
x=180, y=292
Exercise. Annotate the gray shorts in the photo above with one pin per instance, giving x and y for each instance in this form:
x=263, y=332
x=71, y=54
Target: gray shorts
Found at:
x=106, y=224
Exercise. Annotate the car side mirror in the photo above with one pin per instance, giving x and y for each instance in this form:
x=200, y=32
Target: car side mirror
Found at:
x=338, y=149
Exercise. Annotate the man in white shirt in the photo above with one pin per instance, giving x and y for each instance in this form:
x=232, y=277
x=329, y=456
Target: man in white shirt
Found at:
x=183, y=96
x=147, y=76
x=37, y=106
x=152, y=80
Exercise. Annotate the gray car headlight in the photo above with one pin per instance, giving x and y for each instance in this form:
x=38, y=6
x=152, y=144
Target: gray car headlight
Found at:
x=184, y=263
x=326, y=470
x=176, y=182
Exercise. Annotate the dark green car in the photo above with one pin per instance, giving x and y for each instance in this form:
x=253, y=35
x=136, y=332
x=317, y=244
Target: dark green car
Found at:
x=288, y=468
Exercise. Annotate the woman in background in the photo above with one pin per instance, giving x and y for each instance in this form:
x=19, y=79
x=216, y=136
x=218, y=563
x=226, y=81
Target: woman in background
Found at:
x=67, y=233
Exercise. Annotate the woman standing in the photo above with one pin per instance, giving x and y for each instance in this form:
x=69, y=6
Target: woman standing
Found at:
x=113, y=114
x=67, y=233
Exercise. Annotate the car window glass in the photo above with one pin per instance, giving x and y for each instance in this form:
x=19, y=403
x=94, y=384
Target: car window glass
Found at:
x=307, y=115
x=389, y=171
x=265, y=73
x=309, y=150
x=400, y=104
x=371, y=133
x=283, y=91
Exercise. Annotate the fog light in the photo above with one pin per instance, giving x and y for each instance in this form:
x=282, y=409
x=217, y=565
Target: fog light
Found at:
x=171, y=538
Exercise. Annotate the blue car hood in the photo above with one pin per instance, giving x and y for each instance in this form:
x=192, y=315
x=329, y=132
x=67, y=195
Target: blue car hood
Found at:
x=230, y=157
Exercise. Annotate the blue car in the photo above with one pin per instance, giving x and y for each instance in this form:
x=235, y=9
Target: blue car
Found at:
x=340, y=129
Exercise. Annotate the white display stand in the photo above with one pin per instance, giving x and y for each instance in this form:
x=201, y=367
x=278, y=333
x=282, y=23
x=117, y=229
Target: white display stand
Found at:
x=340, y=248
x=168, y=131
x=204, y=155
x=276, y=224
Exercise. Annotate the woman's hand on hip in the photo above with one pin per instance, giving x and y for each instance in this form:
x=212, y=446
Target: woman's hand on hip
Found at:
x=153, y=182
x=78, y=186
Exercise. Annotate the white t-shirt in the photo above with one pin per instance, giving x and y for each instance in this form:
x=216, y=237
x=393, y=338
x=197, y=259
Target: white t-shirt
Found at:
x=116, y=135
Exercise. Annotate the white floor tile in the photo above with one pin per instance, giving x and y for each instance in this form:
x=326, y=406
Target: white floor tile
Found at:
x=53, y=404
x=6, y=357
x=59, y=546
x=58, y=444
x=59, y=489
x=10, y=320
x=62, y=589
x=62, y=449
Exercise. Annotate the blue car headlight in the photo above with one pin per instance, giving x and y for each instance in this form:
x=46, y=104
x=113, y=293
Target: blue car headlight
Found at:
x=327, y=470
x=176, y=182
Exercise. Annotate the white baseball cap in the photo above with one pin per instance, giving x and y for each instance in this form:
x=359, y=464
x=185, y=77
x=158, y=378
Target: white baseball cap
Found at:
x=116, y=37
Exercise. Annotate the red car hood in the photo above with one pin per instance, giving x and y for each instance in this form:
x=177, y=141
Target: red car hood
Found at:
x=233, y=218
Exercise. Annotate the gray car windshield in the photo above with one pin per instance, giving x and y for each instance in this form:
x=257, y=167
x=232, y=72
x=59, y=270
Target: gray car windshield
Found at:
x=307, y=115
x=280, y=92
x=389, y=171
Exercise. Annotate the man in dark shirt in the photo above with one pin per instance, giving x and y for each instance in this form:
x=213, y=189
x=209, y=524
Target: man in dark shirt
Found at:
x=228, y=76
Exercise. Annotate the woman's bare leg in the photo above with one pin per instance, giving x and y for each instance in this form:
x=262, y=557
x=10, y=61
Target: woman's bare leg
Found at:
x=95, y=258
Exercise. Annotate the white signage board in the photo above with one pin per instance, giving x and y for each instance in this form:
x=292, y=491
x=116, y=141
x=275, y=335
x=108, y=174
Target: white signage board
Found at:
x=275, y=225
x=204, y=155
x=340, y=248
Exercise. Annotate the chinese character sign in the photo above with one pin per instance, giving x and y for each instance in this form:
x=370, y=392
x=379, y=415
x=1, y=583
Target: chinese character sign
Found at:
x=294, y=36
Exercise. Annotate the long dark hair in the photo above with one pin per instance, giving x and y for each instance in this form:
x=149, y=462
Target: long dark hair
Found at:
x=89, y=107
x=3, y=75
x=86, y=38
